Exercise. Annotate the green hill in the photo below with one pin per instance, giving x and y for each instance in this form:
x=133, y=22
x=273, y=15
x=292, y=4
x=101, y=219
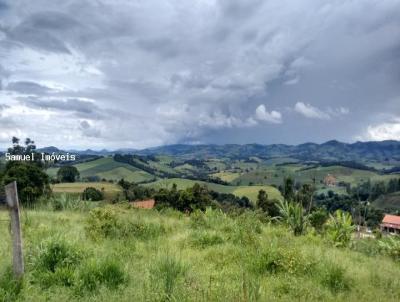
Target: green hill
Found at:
x=109, y=169
x=248, y=191
x=388, y=201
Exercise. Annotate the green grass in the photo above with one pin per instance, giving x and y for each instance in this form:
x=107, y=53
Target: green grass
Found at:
x=209, y=257
x=248, y=191
x=275, y=174
x=110, y=190
x=109, y=169
x=227, y=176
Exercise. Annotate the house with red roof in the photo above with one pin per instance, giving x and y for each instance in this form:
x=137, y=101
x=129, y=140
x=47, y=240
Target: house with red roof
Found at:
x=391, y=224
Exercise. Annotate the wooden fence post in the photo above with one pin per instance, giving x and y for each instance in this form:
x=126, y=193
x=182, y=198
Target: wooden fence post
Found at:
x=13, y=203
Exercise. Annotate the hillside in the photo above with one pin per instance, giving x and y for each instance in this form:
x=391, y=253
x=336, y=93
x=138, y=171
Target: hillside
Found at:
x=152, y=256
x=248, y=191
x=384, y=151
x=109, y=169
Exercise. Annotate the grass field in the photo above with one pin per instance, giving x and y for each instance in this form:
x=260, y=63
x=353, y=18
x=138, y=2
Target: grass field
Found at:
x=110, y=190
x=227, y=176
x=275, y=174
x=109, y=169
x=248, y=191
x=150, y=256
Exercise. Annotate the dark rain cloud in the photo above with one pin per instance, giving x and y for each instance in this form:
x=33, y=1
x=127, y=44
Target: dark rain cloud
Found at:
x=173, y=71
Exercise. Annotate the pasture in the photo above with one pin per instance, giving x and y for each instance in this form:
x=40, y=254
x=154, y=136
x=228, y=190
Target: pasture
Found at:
x=248, y=191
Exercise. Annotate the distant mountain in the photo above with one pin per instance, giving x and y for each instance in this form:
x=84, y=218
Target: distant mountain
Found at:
x=50, y=149
x=330, y=151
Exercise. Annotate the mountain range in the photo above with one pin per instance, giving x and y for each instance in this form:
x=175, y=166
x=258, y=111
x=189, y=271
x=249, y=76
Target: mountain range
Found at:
x=382, y=151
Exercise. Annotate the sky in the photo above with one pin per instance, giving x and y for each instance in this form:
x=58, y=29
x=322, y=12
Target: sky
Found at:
x=114, y=74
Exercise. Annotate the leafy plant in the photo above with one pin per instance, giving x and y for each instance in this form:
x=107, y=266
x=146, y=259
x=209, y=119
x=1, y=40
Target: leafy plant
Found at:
x=340, y=228
x=391, y=246
x=92, y=194
x=293, y=215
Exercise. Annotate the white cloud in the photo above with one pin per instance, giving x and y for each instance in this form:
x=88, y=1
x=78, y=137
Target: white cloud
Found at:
x=310, y=111
x=383, y=131
x=262, y=114
x=313, y=112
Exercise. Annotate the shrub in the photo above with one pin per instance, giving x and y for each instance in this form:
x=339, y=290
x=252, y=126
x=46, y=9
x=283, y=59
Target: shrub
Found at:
x=97, y=273
x=293, y=215
x=334, y=278
x=167, y=272
x=10, y=288
x=340, y=228
x=318, y=218
x=282, y=260
x=102, y=222
x=391, y=246
x=92, y=194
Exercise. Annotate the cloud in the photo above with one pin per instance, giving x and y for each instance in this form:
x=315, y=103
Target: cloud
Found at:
x=262, y=114
x=141, y=78
x=383, y=131
x=310, y=111
x=27, y=87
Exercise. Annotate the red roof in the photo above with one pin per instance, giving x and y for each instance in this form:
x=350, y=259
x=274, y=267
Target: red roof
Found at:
x=144, y=204
x=392, y=221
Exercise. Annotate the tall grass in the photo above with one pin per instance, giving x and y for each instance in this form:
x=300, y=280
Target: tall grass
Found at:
x=116, y=253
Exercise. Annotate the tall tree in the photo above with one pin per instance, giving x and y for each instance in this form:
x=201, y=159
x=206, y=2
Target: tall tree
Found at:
x=32, y=181
x=68, y=174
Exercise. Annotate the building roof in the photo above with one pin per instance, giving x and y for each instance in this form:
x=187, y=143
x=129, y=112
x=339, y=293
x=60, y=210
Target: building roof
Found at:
x=144, y=204
x=391, y=221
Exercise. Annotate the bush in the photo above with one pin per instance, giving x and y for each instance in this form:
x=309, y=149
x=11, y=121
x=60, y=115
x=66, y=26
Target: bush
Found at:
x=102, y=222
x=318, y=218
x=10, y=288
x=282, y=260
x=97, y=273
x=92, y=194
x=391, y=246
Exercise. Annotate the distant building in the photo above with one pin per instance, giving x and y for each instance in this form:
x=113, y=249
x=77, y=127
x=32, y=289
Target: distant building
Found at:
x=330, y=180
x=391, y=224
x=144, y=204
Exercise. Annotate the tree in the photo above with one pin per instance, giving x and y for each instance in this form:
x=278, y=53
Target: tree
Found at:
x=318, y=218
x=288, y=189
x=68, y=174
x=305, y=196
x=92, y=194
x=270, y=207
x=32, y=181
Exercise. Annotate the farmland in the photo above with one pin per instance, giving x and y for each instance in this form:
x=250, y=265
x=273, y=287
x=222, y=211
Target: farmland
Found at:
x=247, y=191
